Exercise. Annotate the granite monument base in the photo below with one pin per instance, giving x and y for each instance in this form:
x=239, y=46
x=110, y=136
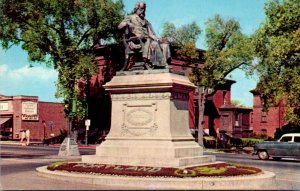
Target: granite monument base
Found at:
x=149, y=122
x=68, y=147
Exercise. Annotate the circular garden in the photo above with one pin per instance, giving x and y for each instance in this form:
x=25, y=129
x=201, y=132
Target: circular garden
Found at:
x=220, y=169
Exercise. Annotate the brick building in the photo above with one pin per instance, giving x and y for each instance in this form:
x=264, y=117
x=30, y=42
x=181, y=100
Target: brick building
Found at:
x=43, y=119
x=235, y=121
x=266, y=122
x=221, y=116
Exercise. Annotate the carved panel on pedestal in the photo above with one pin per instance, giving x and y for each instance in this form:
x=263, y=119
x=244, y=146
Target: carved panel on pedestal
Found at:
x=139, y=120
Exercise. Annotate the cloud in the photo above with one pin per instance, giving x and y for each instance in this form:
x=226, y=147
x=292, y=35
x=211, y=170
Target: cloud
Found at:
x=25, y=80
x=3, y=69
x=37, y=73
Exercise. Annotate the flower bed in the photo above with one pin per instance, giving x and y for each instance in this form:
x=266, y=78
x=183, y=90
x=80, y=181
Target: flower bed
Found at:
x=211, y=170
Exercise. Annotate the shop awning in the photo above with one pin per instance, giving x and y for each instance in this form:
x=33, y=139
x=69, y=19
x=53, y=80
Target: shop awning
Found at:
x=4, y=119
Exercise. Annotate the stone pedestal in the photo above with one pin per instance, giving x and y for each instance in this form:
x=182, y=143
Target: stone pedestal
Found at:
x=149, y=123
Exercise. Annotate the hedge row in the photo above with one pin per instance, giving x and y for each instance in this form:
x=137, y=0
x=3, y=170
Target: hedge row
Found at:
x=250, y=142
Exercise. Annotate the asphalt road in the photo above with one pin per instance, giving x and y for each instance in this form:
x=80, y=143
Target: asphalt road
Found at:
x=287, y=171
x=18, y=172
x=18, y=164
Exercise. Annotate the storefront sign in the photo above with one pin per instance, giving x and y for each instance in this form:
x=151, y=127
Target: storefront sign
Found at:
x=30, y=117
x=3, y=106
x=29, y=111
x=29, y=108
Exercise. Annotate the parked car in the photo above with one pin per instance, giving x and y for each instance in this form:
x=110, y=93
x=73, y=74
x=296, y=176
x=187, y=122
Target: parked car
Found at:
x=288, y=146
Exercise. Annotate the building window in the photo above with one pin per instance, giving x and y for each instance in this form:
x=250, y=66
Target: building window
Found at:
x=225, y=121
x=263, y=131
x=264, y=118
x=237, y=120
x=245, y=119
x=224, y=97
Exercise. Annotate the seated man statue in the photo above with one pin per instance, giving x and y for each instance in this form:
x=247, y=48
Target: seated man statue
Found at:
x=138, y=28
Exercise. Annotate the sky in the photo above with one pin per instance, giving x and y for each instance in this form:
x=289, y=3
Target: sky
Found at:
x=17, y=78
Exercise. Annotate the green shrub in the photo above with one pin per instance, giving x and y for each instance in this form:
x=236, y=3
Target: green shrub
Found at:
x=250, y=142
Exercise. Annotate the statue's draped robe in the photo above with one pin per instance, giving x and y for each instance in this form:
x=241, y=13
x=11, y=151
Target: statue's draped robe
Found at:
x=154, y=51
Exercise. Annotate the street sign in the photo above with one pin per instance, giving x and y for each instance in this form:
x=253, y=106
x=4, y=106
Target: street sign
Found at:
x=87, y=123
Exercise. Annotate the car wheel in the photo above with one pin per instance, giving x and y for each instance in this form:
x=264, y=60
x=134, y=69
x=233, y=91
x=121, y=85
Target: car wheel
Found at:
x=277, y=158
x=263, y=155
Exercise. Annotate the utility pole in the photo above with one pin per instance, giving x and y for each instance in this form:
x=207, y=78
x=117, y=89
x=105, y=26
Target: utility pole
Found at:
x=201, y=101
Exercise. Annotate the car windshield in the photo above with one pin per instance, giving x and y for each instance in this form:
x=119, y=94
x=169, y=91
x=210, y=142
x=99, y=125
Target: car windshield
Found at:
x=286, y=139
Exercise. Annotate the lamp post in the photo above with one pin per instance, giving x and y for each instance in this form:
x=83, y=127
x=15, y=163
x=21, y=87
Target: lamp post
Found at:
x=87, y=125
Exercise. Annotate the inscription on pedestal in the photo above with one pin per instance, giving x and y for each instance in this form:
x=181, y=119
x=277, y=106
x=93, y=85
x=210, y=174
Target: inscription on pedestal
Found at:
x=139, y=120
x=139, y=117
x=180, y=96
x=141, y=96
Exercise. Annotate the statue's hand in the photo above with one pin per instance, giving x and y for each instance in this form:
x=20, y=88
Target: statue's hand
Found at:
x=163, y=40
x=130, y=25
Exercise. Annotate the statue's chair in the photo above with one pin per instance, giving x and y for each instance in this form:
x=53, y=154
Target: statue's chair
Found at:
x=134, y=53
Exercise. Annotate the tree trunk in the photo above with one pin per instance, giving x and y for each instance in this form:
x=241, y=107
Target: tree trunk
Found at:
x=201, y=103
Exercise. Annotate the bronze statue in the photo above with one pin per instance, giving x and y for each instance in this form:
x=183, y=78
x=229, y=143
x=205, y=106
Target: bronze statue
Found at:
x=139, y=38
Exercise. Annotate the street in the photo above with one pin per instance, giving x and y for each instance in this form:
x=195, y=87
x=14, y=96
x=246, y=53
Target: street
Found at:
x=287, y=170
x=18, y=164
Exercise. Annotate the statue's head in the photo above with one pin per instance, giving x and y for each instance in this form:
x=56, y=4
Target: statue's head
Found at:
x=140, y=9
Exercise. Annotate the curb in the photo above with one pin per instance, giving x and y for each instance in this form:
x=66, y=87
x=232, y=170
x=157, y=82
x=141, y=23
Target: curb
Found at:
x=79, y=146
x=256, y=182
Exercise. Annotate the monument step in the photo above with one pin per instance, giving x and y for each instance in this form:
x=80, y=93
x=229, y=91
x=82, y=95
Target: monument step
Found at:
x=190, y=161
x=166, y=152
x=149, y=161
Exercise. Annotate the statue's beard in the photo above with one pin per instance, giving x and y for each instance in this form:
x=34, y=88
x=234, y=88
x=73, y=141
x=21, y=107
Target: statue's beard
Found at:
x=142, y=15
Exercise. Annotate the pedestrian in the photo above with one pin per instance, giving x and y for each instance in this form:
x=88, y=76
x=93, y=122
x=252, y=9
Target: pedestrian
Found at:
x=25, y=134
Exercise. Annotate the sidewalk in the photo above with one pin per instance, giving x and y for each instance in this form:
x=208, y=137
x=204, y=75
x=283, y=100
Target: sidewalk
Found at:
x=244, y=150
x=41, y=143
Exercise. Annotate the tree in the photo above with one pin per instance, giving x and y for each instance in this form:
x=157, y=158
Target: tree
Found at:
x=235, y=102
x=277, y=47
x=184, y=37
x=227, y=50
x=61, y=34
